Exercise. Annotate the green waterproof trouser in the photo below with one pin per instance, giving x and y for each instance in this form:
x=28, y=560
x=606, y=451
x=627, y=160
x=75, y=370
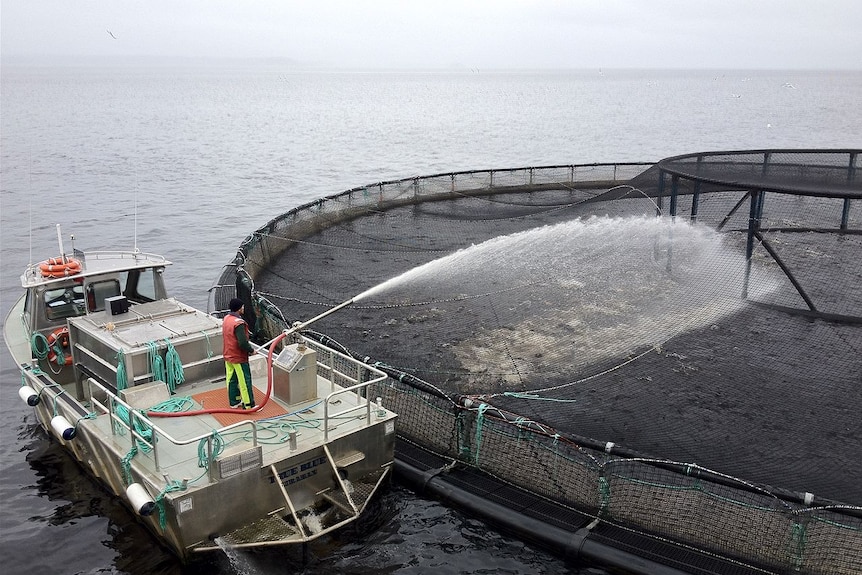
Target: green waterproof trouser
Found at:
x=239, y=390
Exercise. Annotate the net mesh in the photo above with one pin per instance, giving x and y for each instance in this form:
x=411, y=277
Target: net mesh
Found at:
x=602, y=334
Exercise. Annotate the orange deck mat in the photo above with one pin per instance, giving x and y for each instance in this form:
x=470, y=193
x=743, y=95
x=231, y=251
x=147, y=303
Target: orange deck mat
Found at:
x=217, y=399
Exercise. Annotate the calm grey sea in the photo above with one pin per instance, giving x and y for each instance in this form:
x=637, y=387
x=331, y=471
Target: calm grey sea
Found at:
x=187, y=161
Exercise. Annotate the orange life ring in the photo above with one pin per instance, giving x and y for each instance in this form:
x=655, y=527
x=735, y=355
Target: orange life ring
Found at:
x=57, y=268
x=60, y=336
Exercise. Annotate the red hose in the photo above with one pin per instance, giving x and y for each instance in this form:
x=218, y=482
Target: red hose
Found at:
x=234, y=411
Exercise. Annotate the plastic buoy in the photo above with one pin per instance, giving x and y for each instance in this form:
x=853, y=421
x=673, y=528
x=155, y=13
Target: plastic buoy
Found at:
x=28, y=395
x=140, y=499
x=62, y=427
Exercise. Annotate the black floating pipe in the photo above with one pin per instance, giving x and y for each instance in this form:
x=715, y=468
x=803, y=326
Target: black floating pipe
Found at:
x=574, y=546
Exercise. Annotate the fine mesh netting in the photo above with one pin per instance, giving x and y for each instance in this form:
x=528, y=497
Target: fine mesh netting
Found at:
x=715, y=323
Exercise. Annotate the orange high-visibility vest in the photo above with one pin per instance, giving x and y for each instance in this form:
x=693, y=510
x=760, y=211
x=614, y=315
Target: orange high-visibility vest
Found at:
x=232, y=352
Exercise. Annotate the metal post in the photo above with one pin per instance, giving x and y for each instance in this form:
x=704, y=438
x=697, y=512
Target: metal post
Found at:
x=755, y=212
x=210, y=465
x=695, y=198
x=660, y=193
x=766, y=157
x=851, y=174
x=674, y=189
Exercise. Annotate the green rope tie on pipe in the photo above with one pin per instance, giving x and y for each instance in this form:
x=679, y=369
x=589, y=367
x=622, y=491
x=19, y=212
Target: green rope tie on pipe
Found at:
x=463, y=447
x=160, y=501
x=605, y=494
x=122, y=377
x=126, y=463
x=91, y=415
x=798, y=538
x=39, y=345
x=519, y=423
x=480, y=424
x=696, y=485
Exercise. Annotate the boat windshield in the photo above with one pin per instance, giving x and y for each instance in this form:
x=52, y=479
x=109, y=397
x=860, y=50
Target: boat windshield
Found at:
x=63, y=302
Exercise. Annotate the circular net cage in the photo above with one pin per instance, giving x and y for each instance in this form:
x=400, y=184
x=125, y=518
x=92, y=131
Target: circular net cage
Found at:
x=703, y=311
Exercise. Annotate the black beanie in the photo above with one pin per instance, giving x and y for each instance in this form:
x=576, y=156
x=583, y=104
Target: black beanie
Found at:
x=235, y=304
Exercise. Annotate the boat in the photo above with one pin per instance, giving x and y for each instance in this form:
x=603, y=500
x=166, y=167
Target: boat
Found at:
x=132, y=383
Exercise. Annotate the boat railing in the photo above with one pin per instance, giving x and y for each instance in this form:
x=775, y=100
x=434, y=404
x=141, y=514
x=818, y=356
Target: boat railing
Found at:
x=366, y=405
x=136, y=425
x=334, y=366
x=124, y=255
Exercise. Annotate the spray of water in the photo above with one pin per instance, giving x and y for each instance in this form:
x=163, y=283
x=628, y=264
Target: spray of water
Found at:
x=314, y=522
x=238, y=562
x=582, y=291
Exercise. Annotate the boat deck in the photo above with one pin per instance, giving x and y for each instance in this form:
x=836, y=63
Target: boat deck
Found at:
x=182, y=443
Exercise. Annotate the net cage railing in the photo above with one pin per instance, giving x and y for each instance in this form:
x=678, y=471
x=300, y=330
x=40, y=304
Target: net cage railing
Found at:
x=789, y=212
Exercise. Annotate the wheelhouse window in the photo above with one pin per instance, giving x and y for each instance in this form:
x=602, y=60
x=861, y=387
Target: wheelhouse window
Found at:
x=98, y=291
x=140, y=285
x=64, y=302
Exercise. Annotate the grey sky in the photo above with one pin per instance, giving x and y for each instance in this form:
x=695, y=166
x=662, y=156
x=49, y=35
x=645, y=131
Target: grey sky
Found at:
x=511, y=34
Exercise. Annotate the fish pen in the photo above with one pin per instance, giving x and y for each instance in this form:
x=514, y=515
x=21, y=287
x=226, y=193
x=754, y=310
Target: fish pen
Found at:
x=655, y=366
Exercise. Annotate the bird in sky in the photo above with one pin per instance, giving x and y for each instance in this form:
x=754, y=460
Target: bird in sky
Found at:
x=111, y=34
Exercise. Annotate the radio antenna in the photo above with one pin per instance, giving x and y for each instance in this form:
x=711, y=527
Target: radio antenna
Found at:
x=136, y=208
x=30, y=201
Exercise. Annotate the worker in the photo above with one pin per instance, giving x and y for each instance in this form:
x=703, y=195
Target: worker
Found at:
x=236, y=350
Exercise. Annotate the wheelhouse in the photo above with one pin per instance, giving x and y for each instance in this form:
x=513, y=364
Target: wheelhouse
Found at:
x=50, y=301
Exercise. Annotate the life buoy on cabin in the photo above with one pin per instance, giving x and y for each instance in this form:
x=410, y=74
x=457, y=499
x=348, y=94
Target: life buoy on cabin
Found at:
x=57, y=268
x=58, y=346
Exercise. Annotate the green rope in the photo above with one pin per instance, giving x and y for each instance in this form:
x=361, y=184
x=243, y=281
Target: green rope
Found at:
x=157, y=366
x=141, y=428
x=91, y=415
x=173, y=405
x=605, y=494
x=798, y=537
x=122, y=377
x=59, y=353
x=39, y=345
x=174, y=367
x=463, y=444
x=160, y=500
x=218, y=447
x=209, y=345
x=480, y=424
x=126, y=462
x=526, y=395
